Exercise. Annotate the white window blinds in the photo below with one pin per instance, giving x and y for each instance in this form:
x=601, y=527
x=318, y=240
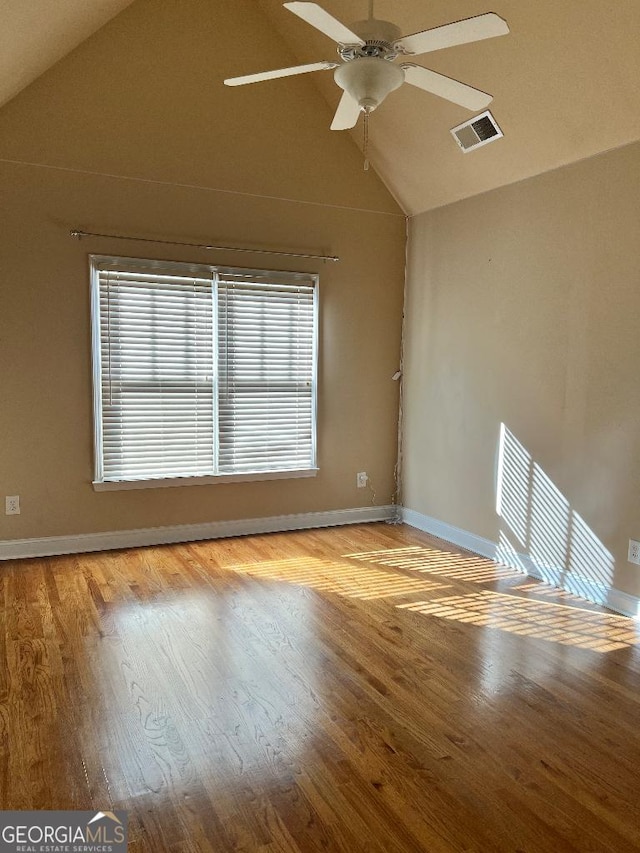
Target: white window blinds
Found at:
x=201, y=372
x=265, y=375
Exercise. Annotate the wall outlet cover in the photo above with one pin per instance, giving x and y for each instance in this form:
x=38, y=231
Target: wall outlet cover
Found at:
x=12, y=505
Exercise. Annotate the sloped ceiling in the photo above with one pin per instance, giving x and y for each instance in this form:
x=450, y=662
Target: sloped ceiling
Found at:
x=143, y=98
x=36, y=33
x=565, y=83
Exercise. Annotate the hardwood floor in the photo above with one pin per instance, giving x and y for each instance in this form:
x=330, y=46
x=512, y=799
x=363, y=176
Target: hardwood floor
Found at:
x=356, y=689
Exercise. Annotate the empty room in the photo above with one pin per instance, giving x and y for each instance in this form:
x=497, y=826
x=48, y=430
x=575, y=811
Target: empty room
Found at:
x=319, y=426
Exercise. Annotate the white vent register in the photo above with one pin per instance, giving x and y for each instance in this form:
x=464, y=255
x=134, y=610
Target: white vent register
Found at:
x=476, y=132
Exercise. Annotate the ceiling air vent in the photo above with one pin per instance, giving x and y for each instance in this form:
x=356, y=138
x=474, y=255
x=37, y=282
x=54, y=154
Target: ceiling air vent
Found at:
x=476, y=132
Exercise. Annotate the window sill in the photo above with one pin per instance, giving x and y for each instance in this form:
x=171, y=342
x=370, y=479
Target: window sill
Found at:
x=168, y=482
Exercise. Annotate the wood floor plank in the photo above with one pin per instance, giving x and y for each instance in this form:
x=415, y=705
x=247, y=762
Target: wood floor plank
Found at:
x=364, y=688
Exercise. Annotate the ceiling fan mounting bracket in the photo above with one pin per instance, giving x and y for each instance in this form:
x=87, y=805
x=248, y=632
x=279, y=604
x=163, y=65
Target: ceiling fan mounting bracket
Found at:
x=378, y=40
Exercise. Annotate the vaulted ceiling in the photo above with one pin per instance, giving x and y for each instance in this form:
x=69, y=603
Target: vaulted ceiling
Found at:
x=37, y=33
x=565, y=83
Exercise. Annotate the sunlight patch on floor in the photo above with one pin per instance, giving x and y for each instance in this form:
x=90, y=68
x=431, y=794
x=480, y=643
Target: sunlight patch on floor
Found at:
x=560, y=596
x=544, y=620
x=456, y=566
x=370, y=575
x=340, y=577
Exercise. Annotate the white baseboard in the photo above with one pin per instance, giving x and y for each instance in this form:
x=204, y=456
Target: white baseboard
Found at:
x=614, y=599
x=456, y=535
x=54, y=545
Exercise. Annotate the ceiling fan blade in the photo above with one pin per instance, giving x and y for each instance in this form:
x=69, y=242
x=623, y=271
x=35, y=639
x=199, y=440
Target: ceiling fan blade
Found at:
x=445, y=87
x=461, y=32
x=323, y=21
x=279, y=72
x=347, y=113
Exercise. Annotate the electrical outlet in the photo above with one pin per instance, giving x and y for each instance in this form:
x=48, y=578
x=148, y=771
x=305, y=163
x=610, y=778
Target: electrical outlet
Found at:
x=12, y=505
x=634, y=551
x=361, y=480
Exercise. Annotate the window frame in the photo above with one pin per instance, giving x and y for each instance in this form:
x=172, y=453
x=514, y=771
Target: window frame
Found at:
x=98, y=262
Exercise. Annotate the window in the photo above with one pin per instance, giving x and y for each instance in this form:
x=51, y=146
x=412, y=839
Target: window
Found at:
x=202, y=372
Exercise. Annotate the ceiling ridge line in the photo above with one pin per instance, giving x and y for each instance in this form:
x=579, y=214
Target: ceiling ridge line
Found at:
x=199, y=187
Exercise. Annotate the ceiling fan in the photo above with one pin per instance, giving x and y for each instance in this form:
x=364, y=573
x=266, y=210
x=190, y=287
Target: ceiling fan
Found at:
x=367, y=50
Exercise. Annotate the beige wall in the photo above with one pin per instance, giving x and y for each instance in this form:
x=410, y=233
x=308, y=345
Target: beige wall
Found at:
x=523, y=308
x=134, y=133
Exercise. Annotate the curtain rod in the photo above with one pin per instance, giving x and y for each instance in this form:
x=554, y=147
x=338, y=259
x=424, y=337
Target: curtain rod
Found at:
x=80, y=234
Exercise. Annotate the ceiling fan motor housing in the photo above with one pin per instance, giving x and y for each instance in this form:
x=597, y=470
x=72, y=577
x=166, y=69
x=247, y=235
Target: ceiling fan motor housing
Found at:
x=369, y=80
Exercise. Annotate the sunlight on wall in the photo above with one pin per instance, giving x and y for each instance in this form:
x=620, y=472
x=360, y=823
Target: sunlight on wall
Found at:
x=557, y=541
x=542, y=620
x=514, y=474
x=587, y=555
x=507, y=554
x=548, y=522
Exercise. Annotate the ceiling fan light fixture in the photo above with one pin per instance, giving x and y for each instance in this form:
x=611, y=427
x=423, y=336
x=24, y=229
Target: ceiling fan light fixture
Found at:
x=369, y=80
x=367, y=51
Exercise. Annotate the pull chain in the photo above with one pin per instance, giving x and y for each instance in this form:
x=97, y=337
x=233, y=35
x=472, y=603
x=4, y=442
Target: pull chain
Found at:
x=365, y=146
